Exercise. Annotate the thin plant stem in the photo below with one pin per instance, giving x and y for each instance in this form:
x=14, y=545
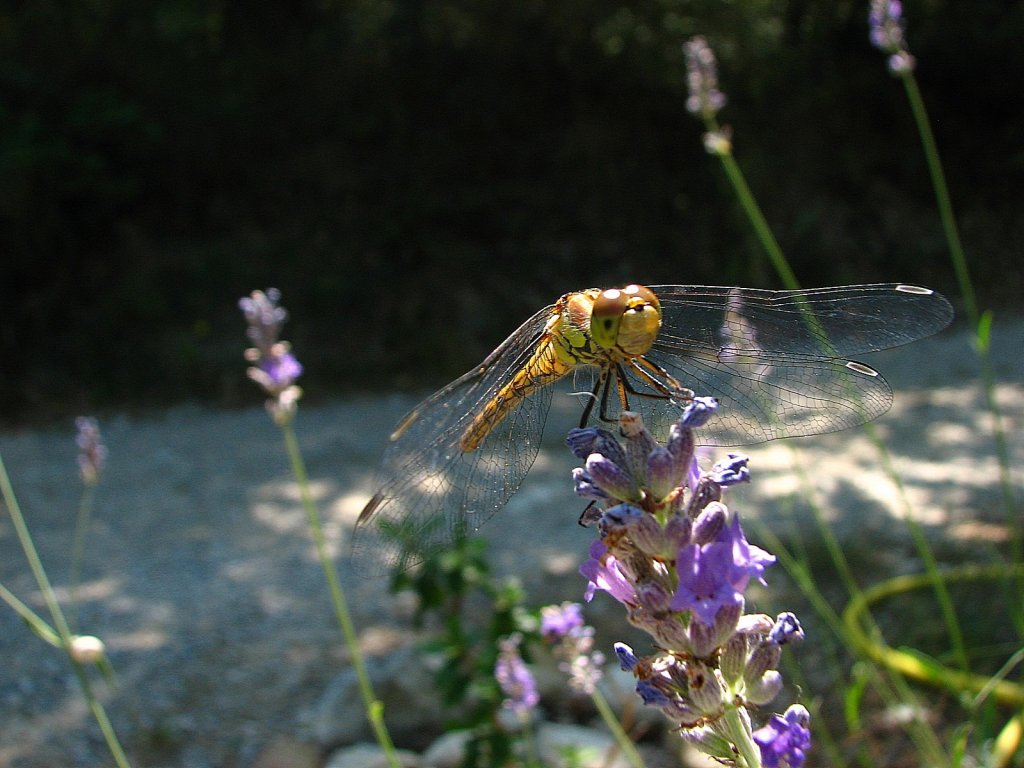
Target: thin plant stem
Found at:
x=57, y=616
x=942, y=198
x=753, y=211
x=374, y=707
x=529, y=741
x=924, y=549
x=980, y=324
x=82, y=521
x=621, y=737
x=741, y=735
x=789, y=279
x=36, y=622
x=890, y=687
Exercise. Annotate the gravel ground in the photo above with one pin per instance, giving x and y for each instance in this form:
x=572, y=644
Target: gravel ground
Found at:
x=201, y=577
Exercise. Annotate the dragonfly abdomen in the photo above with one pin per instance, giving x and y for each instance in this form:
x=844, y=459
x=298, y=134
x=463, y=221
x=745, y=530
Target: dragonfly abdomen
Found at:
x=544, y=367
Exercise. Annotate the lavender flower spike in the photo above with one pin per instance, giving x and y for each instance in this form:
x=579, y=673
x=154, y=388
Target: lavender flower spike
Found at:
x=274, y=367
x=514, y=678
x=572, y=643
x=702, y=78
x=679, y=563
x=92, y=454
x=885, y=19
x=786, y=738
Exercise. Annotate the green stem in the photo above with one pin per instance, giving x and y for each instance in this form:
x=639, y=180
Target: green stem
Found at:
x=30, y=617
x=621, y=737
x=978, y=323
x=788, y=278
x=374, y=707
x=931, y=154
x=741, y=735
x=57, y=615
x=78, y=547
x=924, y=549
x=529, y=741
x=753, y=211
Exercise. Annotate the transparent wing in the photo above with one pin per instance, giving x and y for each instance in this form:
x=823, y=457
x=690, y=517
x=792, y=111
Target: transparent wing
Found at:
x=428, y=490
x=777, y=360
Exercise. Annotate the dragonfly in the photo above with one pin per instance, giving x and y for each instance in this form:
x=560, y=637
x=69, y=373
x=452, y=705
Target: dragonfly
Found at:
x=777, y=361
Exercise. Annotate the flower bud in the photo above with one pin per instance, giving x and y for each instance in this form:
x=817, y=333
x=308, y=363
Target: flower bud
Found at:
x=701, y=639
x=709, y=523
x=664, y=472
x=763, y=690
x=612, y=478
x=649, y=537
x=733, y=660
x=670, y=632
x=677, y=532
x=627, y=659
x=726, y=619
x=764, y=657
x=653, y=596
x=705, y=690
x=86, y=649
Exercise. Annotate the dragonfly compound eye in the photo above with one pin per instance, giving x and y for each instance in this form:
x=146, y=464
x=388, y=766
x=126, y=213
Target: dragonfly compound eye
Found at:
x=626, y=318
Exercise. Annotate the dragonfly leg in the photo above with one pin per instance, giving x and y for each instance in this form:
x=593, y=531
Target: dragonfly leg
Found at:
x=607, y=374
x=657, y=378
x=601, y=381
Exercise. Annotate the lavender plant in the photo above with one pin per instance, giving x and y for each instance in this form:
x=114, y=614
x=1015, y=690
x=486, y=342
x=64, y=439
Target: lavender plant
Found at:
x=275, y=369
x=572, y=644
x=887, y=31
x=81, y=650
x=92, y=456
x=673, y=555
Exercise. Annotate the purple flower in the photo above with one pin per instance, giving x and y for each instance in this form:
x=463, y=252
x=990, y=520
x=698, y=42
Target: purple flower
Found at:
x=627, y=659
x=558, y=621
x=748, y=560
x=785, y=739
x=92, y=454
x=786, y=629
x=702, y=79
x=704, y=580
x=514, y=678
x=603, y=571
x=698, y=413
x=281, y=368
x=674, y=555
x=713, y=576
x=572, y=643
x=273, y=367
x=731, y=470
x=887, y=33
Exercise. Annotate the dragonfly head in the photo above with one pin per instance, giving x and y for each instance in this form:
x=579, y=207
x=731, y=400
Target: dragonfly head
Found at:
x=626, y=318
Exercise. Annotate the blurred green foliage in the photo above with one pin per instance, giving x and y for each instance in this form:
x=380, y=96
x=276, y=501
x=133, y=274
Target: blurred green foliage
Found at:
x=418, y=177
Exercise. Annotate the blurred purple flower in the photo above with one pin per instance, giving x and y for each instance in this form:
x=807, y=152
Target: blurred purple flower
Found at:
x=92, y=454
x=888, y=34
x=785, y=739
x=572, y=643
x=514, y=677
x=702, y=78
x=558, y=621
x=273, y=367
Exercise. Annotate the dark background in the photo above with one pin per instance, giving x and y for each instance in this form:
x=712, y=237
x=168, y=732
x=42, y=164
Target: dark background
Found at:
x=418, y=177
